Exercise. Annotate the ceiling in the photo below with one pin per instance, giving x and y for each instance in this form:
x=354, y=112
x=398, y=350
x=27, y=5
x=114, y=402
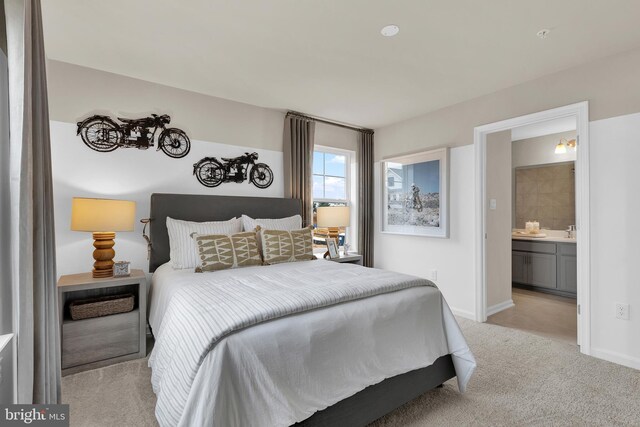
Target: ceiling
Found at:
x=548, y=127
x=328, y=58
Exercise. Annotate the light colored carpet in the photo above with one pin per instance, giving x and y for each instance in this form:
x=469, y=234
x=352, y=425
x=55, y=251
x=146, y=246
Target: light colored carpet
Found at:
x=522, y=379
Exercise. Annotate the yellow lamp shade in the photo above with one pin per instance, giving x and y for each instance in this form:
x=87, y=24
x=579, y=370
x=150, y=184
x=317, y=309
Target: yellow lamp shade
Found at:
x=102, y=214
x=333, y=216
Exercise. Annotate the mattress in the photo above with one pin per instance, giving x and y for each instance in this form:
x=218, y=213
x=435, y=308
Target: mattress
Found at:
x=280, y=371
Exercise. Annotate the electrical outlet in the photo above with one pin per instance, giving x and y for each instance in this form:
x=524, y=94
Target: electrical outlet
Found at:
x=622, y=311
x=493, y=204
x=434, y=275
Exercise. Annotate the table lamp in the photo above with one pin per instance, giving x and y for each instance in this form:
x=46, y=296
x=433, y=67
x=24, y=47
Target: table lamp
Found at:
x=102, y=217
x=332, y=218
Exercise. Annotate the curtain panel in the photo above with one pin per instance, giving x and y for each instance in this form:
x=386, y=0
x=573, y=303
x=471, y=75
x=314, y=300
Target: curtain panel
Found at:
x=365, y=196
x=31, y=215
x=298, y=163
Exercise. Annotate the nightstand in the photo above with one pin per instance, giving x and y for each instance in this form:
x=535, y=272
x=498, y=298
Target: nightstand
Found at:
x=349, y=259
x=101, y=341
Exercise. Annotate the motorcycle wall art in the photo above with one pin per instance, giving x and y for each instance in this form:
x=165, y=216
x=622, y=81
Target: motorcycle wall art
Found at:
x=212, y=172
x=101, y=133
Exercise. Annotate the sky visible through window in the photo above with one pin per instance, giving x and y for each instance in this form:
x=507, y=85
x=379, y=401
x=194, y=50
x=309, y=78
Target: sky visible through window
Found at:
x=329, y=176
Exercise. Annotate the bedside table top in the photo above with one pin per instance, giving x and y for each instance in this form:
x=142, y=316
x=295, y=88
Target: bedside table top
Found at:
x=87, y=278
x=343, y=258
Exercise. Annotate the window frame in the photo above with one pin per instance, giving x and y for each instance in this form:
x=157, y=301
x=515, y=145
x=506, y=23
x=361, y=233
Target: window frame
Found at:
x=347, y=172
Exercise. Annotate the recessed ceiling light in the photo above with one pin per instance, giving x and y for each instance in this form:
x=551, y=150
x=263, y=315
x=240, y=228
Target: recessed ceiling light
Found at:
x=543, y=33
x=390, y=30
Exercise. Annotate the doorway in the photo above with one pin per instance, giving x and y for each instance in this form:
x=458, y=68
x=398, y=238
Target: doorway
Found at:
x=579, y=112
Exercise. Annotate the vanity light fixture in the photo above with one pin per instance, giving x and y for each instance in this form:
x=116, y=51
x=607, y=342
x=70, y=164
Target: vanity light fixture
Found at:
x=561, y=148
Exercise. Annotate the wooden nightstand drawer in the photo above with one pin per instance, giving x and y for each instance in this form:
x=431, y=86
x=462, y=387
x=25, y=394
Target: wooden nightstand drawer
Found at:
x=101, y=341
x=100, y=338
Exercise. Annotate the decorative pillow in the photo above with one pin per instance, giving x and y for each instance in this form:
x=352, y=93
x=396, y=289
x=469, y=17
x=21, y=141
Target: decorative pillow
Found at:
x=286, y=224
x=182, y=251
x=286, y=246
x=219, y=252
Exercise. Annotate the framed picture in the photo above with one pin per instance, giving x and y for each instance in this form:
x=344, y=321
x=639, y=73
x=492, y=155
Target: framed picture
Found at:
x=415, y=192
x=332, y=247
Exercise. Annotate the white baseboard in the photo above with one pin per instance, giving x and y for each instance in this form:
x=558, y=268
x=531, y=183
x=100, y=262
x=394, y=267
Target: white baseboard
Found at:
x=463, y=313
x=499, y=307
x=612, y=356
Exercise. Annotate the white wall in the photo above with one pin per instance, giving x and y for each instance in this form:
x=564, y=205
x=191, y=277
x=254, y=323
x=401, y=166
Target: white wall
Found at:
x=453, y=258
x=498, y=242
x=615, y=179
x=336, y=137
x=541, y=150
x=131, y=174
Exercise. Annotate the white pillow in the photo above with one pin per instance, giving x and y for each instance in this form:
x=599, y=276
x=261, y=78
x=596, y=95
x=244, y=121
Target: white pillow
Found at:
x=182, y=250
x=283, y=224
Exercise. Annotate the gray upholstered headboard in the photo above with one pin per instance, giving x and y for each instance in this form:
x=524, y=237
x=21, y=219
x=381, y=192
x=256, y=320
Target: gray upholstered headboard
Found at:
x=191, y=207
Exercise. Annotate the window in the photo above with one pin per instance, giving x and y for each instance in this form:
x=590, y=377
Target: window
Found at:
x=332, y=186
x=331, y=175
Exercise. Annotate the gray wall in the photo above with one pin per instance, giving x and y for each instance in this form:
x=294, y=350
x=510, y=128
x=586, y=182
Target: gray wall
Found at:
x=76, y=92
x=498, y=242
x=541, y=150
x=610, y=85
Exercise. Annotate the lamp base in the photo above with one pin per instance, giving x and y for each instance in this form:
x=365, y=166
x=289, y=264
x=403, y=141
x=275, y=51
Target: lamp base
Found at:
x=104, y=253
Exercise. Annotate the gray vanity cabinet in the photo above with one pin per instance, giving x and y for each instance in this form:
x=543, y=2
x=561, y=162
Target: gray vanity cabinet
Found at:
x=534, y=269
x=542, y=270
x=545, y=266
x=519, y=267
x=567, y=268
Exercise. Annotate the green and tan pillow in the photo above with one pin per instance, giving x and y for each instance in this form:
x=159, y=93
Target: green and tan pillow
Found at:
x=280, y=246
x=220, y=252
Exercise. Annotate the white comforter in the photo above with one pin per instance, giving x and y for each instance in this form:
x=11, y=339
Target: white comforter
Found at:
x=282, y=371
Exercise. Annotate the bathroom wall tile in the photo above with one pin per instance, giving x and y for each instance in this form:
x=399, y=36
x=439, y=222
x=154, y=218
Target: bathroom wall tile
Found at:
x=545, y=200
x=547, y=212
x=545, y=187
x=561, y=186
x=530, y=200
x=545, y=222
x=545, y=174
x=546, y=194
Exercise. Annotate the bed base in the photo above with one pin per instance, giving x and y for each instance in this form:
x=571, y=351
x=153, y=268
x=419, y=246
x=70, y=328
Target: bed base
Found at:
x=378, y=400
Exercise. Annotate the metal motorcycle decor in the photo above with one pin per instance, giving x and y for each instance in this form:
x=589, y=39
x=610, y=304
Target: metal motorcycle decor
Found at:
x=101, y=133
x=212, y=172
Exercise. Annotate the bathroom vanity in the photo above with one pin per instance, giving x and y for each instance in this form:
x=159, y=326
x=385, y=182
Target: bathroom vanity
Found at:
x=545, y=264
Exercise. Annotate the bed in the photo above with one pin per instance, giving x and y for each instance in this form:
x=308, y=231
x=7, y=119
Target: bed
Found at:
x=381, y=341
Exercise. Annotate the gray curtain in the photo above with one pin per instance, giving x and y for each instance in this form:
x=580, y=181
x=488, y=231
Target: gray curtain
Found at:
x=33, y=242
x=298, y=160
x=365, y=196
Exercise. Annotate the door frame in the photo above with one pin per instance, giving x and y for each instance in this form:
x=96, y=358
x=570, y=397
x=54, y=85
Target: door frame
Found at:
x=580, y=111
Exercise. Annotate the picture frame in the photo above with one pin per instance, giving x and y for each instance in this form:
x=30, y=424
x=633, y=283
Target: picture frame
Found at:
x=332, y=247
x=415, y=194
x=121, y=269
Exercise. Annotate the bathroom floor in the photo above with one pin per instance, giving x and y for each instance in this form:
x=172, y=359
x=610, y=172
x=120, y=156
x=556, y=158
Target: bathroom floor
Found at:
x=542, y=314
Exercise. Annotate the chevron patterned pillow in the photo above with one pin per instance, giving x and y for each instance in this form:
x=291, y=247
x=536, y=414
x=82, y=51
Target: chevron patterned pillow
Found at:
x=286, y=246
x=220, y=252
